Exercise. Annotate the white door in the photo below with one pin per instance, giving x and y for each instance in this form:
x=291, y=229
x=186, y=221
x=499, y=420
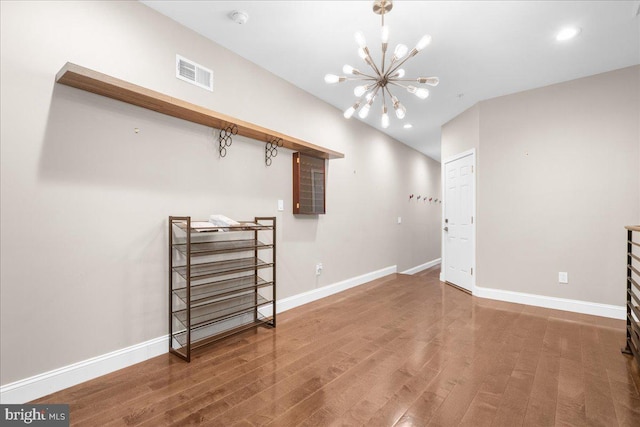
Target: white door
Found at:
x=458, y=227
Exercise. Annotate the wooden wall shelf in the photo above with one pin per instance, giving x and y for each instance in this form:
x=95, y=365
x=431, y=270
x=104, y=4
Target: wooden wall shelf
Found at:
x=102, y=84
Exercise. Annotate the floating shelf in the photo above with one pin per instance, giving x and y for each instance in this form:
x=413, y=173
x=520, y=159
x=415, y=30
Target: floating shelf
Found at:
x=111, y=87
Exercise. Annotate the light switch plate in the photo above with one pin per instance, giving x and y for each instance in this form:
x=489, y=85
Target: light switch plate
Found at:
x=280, y=205
x=563, y=277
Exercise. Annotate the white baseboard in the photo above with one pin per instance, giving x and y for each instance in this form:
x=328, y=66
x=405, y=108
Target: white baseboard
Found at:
x=576, y=306
x=315, y=294
x=422, y=267
x=58, y=379
x=34, y=387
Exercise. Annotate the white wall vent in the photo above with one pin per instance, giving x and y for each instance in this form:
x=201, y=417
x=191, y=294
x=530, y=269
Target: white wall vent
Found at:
x=193, y=73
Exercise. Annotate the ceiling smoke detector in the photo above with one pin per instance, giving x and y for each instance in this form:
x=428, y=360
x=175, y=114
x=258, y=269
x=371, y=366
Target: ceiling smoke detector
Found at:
x=239, y=16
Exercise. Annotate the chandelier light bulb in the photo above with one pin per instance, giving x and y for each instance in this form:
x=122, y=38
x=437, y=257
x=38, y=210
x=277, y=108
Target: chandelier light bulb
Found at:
x=401, y=111
x=399, y=74
x=411, y=89
x=362, y=53
x=384, y=121
x=332, y=78
x=362, y=42
x=370, y=98
x=431, y=81
x=348, y=69
x=349, y=111
x=400, y=51
x=359, y=90
x=424, y=42
x=385, y=34
x=364, y=111
x=422, y=93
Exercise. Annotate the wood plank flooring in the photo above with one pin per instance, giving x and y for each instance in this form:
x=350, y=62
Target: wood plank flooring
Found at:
x=398, y=351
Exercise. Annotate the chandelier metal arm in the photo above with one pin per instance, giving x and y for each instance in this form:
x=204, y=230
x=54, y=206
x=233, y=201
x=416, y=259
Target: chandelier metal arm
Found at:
x=370, y=62
x=393, y=69
x=384, y=54
x=389, y=92
x=375, y=92
x=366, y=77
x=361, y=79
x=416, y=80
x=395, y=83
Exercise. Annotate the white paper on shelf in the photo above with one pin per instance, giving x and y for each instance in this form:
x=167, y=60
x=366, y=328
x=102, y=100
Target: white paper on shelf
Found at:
x=222, y=221
x=201, y=224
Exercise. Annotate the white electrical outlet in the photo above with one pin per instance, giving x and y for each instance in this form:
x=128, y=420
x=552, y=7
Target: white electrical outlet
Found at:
x=563, y=277
x=280, y=205
x=399, y=220
x=318, y=268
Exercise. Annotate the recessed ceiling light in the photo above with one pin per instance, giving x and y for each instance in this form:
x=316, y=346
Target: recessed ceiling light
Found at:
x=408, y=126
x=567, y=33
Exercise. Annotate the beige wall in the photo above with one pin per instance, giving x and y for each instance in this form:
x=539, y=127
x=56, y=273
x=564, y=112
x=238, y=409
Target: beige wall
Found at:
x=557, y=181
x=85, y=199
x=462, y=133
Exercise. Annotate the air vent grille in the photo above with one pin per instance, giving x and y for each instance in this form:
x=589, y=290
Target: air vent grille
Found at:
x=194, y=73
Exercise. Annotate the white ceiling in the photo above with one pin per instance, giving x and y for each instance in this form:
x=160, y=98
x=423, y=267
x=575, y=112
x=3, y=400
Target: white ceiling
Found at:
x=480, y=49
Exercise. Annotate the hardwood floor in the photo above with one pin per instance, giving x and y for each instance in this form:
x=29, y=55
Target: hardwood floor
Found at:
x=399, y=351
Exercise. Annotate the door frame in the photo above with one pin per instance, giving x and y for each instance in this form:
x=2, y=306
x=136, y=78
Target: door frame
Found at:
x=472, y=153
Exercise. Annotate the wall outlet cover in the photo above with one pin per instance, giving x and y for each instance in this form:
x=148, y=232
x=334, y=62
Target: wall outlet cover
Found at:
x=563, y=277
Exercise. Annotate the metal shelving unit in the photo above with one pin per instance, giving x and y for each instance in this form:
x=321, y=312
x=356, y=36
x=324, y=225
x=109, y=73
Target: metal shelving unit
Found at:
x=633, y=295
x=222, y=280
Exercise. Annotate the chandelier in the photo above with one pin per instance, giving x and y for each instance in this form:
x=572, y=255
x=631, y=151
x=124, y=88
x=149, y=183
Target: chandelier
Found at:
x=376, y=84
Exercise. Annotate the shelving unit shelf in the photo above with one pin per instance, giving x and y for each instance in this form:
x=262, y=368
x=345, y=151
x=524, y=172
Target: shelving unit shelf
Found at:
x=222, y=280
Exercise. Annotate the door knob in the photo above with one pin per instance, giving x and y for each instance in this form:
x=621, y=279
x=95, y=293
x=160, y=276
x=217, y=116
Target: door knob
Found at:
x=446, y=229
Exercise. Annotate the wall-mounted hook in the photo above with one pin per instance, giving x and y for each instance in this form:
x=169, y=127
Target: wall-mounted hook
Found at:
x=411, y=197
x=436, y=200
x=430, y=198
x=419, y=197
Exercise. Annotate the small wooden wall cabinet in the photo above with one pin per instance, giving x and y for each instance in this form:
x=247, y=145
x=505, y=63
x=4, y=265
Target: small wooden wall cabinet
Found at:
x=222, y=280
x=309, y=178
